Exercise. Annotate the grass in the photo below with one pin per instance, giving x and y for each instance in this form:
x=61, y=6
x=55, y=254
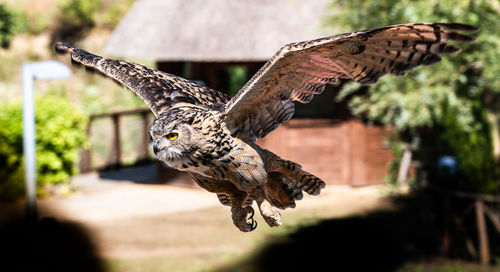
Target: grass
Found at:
x=196, y=241
x=322, y=237
x=448, y=266
x=306, y=242
x=311, y=239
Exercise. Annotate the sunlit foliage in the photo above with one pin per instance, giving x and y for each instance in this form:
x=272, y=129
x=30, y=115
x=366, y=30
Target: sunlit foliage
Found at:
x=453, y=97
x=60, y=132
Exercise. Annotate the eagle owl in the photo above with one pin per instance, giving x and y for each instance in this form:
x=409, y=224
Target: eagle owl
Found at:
x=213, y=137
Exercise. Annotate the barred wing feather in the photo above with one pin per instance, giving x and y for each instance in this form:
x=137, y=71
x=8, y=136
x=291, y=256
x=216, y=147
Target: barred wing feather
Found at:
x=298, y=71
x=159, y=90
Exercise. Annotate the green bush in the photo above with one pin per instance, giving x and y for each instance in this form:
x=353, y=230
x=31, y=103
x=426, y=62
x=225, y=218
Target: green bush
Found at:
x=80, y=12
x=443, y=103
x=114, y=13
x=7, y=25
x=76, y=18
x=473, y=149
x=60, y=132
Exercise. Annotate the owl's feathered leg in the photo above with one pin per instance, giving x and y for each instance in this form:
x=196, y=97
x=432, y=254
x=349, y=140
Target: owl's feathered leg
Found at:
x=292, y=173
x=225, y=200
x=241, y=213
x=270, y=215
x=279, y=192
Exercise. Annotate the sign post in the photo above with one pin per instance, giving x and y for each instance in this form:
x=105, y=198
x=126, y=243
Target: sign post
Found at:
x=43, y=70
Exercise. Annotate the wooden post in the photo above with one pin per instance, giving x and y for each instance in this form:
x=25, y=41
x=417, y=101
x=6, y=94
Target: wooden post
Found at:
x=86, y=155
x=404, y=168
x=143, y=149
x=116, y=153
x=447, y=240
x=484, y=248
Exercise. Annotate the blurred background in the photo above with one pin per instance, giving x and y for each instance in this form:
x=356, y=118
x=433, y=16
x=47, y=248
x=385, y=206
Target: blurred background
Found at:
x=411, y=162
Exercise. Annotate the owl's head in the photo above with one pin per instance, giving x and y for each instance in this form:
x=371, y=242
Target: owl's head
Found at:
x=172, y=136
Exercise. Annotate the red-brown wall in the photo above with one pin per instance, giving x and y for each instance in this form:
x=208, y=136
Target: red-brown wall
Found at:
x=348, y=152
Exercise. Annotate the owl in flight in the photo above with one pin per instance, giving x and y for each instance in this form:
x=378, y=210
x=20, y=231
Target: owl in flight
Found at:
x=213, y=137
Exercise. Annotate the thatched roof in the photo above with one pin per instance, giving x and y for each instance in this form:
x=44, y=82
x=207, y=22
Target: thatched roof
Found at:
x=215, y=30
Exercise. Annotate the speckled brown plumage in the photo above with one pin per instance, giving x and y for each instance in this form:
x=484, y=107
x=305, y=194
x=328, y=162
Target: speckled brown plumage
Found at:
x=201, y=131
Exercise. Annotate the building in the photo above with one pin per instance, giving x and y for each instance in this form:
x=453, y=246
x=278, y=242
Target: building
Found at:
x=205, y=40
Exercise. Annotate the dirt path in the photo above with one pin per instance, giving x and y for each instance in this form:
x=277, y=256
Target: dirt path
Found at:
x=133, y=220
x=101, y=200
x=145, y=227
x=126, y=200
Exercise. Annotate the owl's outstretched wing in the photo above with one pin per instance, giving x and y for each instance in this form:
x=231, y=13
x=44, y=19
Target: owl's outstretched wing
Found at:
x=159, y=90
x=300, y=70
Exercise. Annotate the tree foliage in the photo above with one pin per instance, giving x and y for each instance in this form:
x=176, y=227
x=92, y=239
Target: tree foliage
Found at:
x=75, y=19
x=453, y=95
x=472, y=149
x=60, y=131
x=7, y=25
x=454, y=82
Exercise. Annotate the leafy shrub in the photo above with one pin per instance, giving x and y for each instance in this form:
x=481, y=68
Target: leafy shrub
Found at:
x=450, y=98
x=397, y=149
x=114, y=13
x=7, y=26
x=80, y=12
x=473, y=149
x=76, y=17
x=60, y=131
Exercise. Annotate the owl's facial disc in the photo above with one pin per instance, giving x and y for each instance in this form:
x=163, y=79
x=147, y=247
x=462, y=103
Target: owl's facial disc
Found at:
x=169, y=146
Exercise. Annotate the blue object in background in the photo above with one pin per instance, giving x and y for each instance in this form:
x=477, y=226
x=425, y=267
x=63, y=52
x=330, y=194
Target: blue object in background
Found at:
x=448, y=164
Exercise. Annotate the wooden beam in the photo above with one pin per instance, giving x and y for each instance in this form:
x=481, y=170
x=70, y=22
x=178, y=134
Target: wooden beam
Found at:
x=484, y=248
x=114, y=158
x=86, y=154
x=111, y=114
x=143, y=149
x=494, y=218
x=117, y=152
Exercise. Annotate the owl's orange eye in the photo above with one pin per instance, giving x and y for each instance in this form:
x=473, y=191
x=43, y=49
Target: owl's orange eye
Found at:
x=172, y=136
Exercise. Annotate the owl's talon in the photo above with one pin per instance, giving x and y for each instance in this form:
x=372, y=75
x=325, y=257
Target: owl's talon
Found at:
x=241, y=219
x=252, y=212
x=254, y=225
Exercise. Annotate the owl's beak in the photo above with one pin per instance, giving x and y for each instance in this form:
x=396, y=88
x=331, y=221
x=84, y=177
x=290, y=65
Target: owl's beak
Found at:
x=156, y=149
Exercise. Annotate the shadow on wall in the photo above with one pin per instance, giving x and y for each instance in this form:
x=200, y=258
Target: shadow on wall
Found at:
x=48, y=245
x=153, y=173
x=379, y=241
x=142, y=174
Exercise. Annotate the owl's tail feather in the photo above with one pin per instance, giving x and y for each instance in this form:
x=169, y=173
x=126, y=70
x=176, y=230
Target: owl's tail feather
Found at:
x=298, y=178
x=309, y=183
x=279, y=192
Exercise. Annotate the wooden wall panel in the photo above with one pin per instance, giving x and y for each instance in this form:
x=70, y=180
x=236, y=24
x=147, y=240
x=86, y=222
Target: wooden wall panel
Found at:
x=344, y=153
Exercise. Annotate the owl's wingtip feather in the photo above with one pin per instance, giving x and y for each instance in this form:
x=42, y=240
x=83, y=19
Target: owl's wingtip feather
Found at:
x=460, y=26
x=62, y=48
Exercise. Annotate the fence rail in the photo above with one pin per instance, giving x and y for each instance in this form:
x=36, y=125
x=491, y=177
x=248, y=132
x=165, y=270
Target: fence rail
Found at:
x=479, y=205
x=115, y=158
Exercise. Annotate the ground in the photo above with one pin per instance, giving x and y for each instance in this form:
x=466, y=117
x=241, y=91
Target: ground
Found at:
x=133, y=226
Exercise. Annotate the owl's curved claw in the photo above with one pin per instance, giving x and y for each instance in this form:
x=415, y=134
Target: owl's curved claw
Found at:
x=252, y=212
x=241, y=219
x=252, y=223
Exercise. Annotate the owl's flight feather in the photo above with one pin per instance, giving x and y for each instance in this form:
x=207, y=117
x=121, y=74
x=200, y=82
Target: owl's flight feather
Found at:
x=300, y=70
x=295, y=73
x=159, y=90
